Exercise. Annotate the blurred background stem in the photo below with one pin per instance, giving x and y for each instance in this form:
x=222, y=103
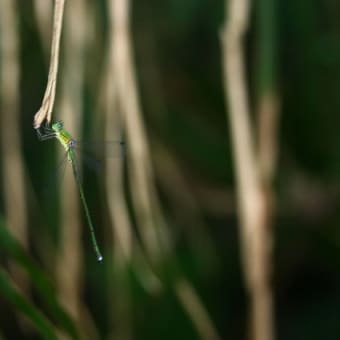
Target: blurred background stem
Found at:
x=44, y=15
x=145, y=200
x=11, y=140
x=254, y=207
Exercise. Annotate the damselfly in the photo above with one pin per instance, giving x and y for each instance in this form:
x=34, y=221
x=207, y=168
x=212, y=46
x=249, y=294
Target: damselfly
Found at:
x=57, y=131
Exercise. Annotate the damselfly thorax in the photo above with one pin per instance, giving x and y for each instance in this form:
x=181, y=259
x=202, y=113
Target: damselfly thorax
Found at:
x=66, y=140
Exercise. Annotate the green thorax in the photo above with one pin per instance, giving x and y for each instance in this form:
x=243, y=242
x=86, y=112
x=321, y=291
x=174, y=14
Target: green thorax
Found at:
x=64, y=138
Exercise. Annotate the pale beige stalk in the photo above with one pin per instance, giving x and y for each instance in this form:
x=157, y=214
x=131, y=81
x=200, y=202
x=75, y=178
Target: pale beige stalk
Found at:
x=45, y=111
x=251, y=198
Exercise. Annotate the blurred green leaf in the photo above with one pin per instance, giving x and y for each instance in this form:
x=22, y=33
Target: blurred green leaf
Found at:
x=38, y=279
x=11, y=293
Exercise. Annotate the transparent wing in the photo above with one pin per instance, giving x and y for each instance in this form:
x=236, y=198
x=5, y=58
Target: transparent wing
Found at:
x=92, y=154
x=88, y=155
x=100, y=150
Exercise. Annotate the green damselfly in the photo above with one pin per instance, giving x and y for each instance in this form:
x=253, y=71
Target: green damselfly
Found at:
x=57, y=131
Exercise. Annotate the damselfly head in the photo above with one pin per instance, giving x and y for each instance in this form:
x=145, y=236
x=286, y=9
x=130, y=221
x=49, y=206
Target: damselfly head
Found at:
x=58, y=126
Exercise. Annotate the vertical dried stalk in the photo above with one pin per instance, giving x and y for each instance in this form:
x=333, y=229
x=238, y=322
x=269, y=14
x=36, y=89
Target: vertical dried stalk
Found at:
x=45, y=111
x=13, y=172
x=142, y=179
x=252, y=201
x=70, y=255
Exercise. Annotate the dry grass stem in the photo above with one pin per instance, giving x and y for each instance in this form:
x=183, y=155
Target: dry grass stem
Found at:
x=145, y=200
x=13, y=167
x=45, y=111
x=251, y=198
